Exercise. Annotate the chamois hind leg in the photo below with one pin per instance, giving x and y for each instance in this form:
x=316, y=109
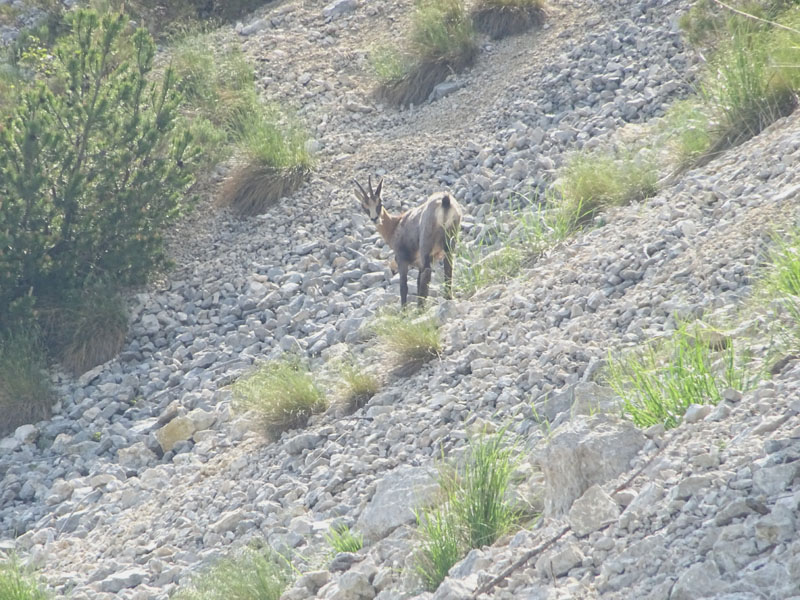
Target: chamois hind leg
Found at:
x=402, y=268
x=424, y=281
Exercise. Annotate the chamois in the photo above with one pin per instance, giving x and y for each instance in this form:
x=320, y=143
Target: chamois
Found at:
x=418, y=236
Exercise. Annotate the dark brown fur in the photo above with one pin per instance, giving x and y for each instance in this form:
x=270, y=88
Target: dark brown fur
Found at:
x=418, y=236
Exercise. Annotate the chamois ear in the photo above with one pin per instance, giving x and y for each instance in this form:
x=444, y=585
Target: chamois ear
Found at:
x=378, y=189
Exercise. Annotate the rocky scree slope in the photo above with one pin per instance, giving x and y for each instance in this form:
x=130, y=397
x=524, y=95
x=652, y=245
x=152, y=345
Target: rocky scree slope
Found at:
x=124, y=515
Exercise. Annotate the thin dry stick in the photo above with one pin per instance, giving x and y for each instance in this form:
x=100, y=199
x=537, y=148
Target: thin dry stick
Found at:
x=755, y=18
x=489, y=585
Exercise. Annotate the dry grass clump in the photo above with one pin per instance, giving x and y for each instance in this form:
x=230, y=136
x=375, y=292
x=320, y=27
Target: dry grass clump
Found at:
x=25, y=395
x=86, y=329
x=282, y=393
x=442, y=41
x=356, y=386
x=413, y=340
x=228, y=119
x=502, y=18
x=593, y=182
x=252, y=188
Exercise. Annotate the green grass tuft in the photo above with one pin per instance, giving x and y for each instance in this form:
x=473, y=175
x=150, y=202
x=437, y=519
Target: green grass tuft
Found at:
x=441, y=41
x=356, y=385
x=282, y=393
x=414, y=339
x=343, y=540
x=18, y=584
x=593, y=182
x=251, y=575
x=475, y=511
x=658, y=384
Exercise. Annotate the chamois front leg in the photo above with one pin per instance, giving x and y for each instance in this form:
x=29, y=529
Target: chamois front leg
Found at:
x=402, y=268
x=448, y=274
x=424, y=281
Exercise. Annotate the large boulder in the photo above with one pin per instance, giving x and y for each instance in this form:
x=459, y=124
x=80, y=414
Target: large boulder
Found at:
x=585, y=452
x=398, y=495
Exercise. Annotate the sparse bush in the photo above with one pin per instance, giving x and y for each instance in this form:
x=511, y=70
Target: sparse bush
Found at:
x=16, y=584
x=85, y=328
x=414, y=339
x=25, y=395
x=92, y=167
x=687, y=125
x=250, y=575
x=501, y=18
x=343, y=540
x=659, y=383
x=357, y=386
x=592, y=182
x=282, y=393
x=442, y=41
x=475, y=511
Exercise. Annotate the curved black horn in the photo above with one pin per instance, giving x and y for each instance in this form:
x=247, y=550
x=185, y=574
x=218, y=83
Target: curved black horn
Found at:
x=363, y=193
x=371, y=192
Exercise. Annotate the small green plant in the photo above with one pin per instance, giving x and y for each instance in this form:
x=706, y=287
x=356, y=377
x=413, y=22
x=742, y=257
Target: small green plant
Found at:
x=282, y=393
x=388, y=63
x=356, y=385
x=25, y=394
x=250, y=575
x=441, y=545
x=18, y=584
x=501, y=18
x=478, y=491
x=342, y=539
x=688, y=128
x=475, y=510
x=659, y=383
x=414, y=339
x=442, y=41
x=592, y=182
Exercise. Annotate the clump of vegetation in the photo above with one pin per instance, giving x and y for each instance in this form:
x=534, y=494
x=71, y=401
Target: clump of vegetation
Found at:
x=658, y=383
x=475, y=511
x=282, y=393
x=93, y=167
x=17, y=584
x=413, y=339
x=85, y=328
x=222, y=105
x=751, y=79
x=356, y=385
x=261, y=574
x=592, y=182
x=442, y=41
x=341, y=539
x=502, y=253
x=502, y=18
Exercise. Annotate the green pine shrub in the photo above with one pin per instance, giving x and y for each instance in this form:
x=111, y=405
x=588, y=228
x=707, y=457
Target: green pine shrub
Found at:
x=25, y=394
x=93, y=166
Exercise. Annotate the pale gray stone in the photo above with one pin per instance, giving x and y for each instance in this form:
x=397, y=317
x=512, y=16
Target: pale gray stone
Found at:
x=592, y=511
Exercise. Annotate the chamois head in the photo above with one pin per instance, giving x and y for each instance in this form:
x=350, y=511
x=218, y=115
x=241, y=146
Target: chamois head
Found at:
x=370, y=201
